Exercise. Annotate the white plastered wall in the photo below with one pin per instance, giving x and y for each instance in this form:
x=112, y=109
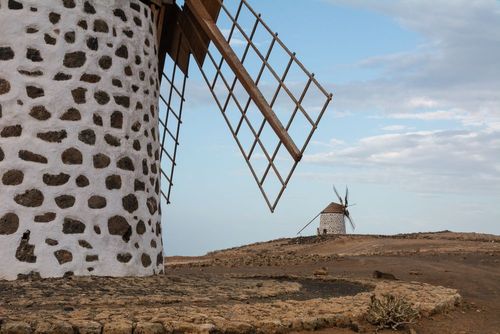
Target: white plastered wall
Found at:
x=332, y=223
x=41, y=45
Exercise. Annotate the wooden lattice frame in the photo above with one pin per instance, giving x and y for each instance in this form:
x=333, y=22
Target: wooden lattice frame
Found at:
x=218, y=58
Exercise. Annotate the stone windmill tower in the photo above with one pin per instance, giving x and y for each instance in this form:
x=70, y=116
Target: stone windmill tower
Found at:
x=91, y=97
x=332, y=218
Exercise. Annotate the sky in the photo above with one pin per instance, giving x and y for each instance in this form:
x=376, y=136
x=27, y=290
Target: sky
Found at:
x=413, y=129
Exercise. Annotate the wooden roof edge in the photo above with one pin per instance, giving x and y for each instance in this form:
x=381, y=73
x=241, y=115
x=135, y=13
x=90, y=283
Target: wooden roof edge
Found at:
x=334, y=208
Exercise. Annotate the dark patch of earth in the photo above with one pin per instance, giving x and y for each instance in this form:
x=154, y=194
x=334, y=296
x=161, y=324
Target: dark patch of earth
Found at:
x=315, y=288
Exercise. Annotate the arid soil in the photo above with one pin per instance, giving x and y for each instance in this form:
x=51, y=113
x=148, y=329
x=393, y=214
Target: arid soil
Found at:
x=282, y=286
x=468, y=262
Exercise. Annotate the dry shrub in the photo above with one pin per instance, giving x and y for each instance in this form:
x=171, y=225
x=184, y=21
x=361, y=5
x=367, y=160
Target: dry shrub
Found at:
x=389, y=311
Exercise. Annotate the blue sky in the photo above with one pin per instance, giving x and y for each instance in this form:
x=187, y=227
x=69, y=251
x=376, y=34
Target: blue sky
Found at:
x=414, y=129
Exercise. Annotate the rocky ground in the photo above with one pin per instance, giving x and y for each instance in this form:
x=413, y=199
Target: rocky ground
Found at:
x=288, y=285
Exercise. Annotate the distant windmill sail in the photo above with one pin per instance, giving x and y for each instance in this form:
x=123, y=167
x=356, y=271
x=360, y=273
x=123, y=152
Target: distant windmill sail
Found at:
x=309, y=223
x=270, y=102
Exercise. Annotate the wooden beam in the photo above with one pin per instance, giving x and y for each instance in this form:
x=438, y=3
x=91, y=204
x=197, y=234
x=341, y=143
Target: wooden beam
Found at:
x=198, y=40
x=209, y=27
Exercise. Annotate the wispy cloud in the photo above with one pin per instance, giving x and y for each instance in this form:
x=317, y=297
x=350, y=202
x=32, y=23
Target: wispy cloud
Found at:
x=440, y=161
x=456, y=69
x=454, y=76
x=396, y=128
x=331, y=144
x=428, y=116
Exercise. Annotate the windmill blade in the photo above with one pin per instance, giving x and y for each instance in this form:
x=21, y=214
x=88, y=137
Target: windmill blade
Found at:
x=170, y=113
x=338, y=195
x=346, y=196
x=353, y=226
x=302, y=229
x=270, y=102
x=172, y=90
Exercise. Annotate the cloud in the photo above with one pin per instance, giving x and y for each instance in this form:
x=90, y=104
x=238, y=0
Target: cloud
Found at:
x=453, y=76
x=428, y=116
x=237, y=38
x=425, y=161
x=422, y=102
x=457, y=68
x=332, y=143
x=394, y=128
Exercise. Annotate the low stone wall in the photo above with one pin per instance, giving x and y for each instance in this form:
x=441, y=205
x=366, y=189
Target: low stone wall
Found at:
x=197, y=305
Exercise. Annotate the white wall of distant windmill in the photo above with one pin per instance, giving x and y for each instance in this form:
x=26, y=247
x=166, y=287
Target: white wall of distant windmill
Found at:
x=332, y=220
x=331, y=223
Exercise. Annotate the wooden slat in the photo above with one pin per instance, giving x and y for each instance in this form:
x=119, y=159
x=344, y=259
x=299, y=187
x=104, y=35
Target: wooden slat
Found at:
x=198, y=39
x=173, y=27
x=173, y=41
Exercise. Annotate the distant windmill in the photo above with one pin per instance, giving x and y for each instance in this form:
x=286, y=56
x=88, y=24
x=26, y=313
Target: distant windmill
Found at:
x=332, y=218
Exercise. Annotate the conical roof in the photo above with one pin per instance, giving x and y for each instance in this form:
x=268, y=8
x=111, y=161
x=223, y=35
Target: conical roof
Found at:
x=334, y=208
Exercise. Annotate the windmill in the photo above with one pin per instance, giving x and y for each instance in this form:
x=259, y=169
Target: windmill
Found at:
x=91, y=107
x=333, y=217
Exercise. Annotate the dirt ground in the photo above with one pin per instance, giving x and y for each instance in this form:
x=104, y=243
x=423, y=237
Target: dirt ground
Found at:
x=469, y=263
x=273, y=287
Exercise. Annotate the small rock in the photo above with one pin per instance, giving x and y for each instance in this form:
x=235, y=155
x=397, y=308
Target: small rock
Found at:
x=357, y=327
x=381, y=275
x=31, y=276
x=206, y=329
x=415, y=273
x=40, y=113
x=13, y=177
x=59, y=327
x=74, y=59
x=321, y=272
x=33, y=157
x=72, y=156
x=45, y=218
x=71, y=114
x=149, y=328
x=53, y=136
x=73, y=226
x=63, y=256
x=4, y=86
x=34, y=92
x=88, y=327
x=9, y=224
x=119, y=327
x=30, y=198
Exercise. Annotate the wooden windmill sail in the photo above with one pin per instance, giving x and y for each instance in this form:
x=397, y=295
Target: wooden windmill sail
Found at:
x=270, y=102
